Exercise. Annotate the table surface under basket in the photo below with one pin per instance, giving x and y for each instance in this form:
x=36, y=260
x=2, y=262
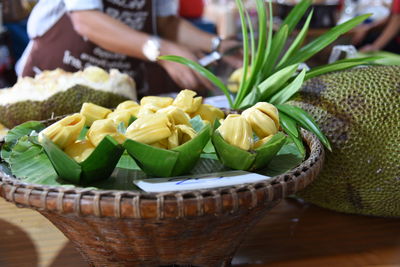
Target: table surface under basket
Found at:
x=291, y=234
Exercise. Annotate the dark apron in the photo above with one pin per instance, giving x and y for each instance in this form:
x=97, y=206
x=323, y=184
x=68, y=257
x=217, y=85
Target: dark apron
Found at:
x=62, y=47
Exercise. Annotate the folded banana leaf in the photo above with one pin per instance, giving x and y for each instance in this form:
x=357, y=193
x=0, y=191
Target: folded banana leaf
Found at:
x=164, y=163
x=239, y=159
x=98, y=166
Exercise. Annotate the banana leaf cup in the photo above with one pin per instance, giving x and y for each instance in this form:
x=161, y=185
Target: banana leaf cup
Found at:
x=240, y=159
x=99, y=165
x=161, y=162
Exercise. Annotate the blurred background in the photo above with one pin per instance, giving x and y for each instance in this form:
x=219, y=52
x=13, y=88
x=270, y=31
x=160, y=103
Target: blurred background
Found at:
x=215, y=16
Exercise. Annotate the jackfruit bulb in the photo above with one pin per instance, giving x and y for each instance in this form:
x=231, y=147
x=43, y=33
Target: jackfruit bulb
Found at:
x=359, y=111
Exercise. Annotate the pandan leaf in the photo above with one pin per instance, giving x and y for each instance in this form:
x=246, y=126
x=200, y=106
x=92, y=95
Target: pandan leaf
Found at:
x=66, y=168
x=232, y=156
x=242, y=85
x=273, y=83
x=15, y=134
x=152, y=160
x=299, y=144
x=102, y=161
x=250, y=99
x=294, y=16
x=252, y=39
x=277, y=45
x=324, y=40
x=304, y=119
x=295, y=46
x=339, y=65
x=289, y=125
x=260, y=54
x=266, y=152
x=286, y=93
x=203, y=71
x=189, y=152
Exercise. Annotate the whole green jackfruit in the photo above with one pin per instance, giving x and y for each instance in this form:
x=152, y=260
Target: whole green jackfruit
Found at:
x=359, y=111
x=57, y=92
x=61, y=103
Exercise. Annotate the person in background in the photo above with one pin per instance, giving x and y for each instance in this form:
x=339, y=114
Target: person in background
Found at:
x=125, y=34
x=388, y=38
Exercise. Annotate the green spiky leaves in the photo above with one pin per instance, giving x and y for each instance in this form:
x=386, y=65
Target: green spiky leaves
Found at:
x=273, y=72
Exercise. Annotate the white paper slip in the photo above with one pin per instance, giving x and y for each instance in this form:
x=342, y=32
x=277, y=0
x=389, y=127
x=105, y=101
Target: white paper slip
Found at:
x=197, y=182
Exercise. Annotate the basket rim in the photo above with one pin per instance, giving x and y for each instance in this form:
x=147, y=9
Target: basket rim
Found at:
x=232, y=198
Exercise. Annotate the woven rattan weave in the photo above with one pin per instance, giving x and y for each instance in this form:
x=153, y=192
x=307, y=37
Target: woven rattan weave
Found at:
x=191, y=228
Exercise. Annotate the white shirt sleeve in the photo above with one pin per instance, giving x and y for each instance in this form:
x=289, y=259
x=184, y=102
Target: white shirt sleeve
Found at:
x=72, y=5
x=166, y=7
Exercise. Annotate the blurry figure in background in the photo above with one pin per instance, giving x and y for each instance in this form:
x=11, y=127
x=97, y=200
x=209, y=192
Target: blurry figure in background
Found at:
x=13, y=37
x=192, y=10
x=127, y=35
x=380, y=35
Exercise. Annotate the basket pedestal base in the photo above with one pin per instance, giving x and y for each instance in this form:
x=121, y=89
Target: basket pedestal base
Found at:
x=201, y=241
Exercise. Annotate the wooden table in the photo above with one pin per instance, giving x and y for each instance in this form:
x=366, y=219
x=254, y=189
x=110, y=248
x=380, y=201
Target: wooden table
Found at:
x=292, y=234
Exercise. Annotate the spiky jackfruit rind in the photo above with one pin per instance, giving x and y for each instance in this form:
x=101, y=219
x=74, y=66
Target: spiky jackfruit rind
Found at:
x=98, y=166
x=67, y=102
x=359, y=112
x=166, y=163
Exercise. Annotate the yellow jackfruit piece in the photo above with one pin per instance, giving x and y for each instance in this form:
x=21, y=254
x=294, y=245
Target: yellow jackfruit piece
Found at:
x=149, y=129
x=80, y=150
x=147, y=109
x=187, y=101
x=120, y=116
x=95, y=74
x=185, y=133
x=209, y=113
x=127, y=105
x=64, y=132
x=159, y=101
x=260, y=142
x=236, y=131
x=270, y=110
x=94, y=112
x=102, y=128
x=262, y=124
x=175, y=115
x=173, y=139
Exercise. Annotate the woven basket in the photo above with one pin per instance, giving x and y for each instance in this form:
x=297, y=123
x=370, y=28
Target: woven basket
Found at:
x=123, y=228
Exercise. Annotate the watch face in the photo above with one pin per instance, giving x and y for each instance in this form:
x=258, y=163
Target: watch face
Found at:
x=151, y=49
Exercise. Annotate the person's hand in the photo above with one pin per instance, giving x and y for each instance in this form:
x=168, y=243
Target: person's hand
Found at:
x=369, y=48
x=234, y=59
x=183, y=76
x=359, y=34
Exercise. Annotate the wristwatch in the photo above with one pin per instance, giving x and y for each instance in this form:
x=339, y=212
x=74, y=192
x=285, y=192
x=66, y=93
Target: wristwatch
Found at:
x=215, y=43
x=151, y=48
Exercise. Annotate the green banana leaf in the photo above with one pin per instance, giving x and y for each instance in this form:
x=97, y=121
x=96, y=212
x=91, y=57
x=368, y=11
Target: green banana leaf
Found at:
x=164, y=163
x=98, y=166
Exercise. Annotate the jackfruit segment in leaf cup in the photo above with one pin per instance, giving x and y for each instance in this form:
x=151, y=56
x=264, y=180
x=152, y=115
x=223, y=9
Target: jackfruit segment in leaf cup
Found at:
x=82, y=161
x=249, y=141
x=163, y=140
